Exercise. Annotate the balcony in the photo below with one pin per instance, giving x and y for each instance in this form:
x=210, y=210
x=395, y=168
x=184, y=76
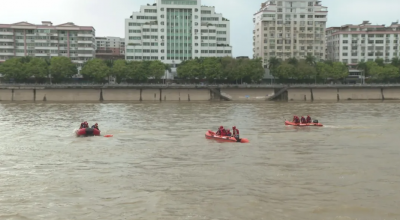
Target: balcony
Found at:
x=85, y=42
x=7, y=33
x=6, y=53
x=85, y=48
x=42, y=54
x=85, y=55
x=6, y=46
x=6, y=40
x=46, y=48
x=85, y=35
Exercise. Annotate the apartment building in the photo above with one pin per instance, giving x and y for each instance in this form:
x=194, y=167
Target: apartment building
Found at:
x=47, y=40
x=289, y=28
x=176, y=30
x=110, y=48
x=352, y=44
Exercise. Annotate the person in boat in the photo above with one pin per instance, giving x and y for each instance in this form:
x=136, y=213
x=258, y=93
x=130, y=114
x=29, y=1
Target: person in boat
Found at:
x=84, y=125
x=235, y=132
x=221, y=131
x=308, y=119
x=303, y=120
x=296, y=119
x=228, y=133
x=96, y=126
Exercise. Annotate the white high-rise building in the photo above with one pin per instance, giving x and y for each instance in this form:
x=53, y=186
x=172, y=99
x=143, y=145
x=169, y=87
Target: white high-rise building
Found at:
x=352, y=44
x=47, y=40
x=289, y=28
x=176, y=30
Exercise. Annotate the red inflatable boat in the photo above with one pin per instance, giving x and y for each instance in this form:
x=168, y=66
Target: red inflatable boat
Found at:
x=305, y=125
x=87, y=132
x=211, y=135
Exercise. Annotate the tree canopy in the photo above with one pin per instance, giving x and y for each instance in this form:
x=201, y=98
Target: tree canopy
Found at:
x=217, y=69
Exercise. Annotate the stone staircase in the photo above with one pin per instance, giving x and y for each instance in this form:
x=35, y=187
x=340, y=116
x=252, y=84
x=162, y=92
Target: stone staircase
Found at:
x=277, y=94
x=220, y=95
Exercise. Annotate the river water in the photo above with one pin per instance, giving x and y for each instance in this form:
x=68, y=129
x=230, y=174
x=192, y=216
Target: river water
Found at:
x=159, y=165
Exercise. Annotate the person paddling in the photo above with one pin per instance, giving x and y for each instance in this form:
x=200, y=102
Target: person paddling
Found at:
x=296, y=119
x=84, y=125
x=309, y=119
x=221, y=131
x=96, y=126
x=303, y=120
x=235, y=133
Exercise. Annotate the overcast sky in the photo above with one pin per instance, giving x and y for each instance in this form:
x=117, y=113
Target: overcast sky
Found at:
x=108, y=17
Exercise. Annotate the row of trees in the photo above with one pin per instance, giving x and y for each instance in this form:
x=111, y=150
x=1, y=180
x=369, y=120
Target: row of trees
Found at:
x=60, y=69
x=225, y=69
x=309, y=70
x=137, y=71
x=24, y=68
x=378, y=71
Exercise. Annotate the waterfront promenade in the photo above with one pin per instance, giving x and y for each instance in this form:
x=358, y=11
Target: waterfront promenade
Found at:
x=197, y=92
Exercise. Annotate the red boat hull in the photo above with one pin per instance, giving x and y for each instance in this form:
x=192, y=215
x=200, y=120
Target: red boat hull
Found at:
x=211, y=135
x=304, y=125
x=87, y=132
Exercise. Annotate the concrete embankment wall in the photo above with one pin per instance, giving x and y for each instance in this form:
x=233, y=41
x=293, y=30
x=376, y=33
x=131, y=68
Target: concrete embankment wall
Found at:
x=121, y=94
x=248, y=94
x=195, y=94
x=68, y=95
x=360, y=94
x=299, y=95
x=325, y=94
x=391, y=94
x=93, y=95
x=341, y=94
x=5, y=95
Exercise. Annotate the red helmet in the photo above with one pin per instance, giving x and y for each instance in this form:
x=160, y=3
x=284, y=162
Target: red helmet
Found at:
x=228, y=130
x=221, y=127
x=96, y=124
x=234, y=127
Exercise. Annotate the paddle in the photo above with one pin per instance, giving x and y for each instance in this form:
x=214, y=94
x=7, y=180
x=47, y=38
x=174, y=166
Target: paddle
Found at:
x=108, y=135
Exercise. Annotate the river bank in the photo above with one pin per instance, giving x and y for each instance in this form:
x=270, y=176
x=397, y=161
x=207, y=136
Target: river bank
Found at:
x=185, y=93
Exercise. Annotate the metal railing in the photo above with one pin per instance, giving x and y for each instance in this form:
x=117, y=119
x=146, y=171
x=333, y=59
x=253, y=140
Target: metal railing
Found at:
x=195, y=85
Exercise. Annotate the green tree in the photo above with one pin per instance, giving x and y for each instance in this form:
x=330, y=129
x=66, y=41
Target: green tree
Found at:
x=96, y=69
x=212, y=68
x=390, y=72
x=137, y=70
x=323, y=70
x=305, y=71
x=189, y=69
x=273, y=64
x=311, y=60
x=396, y=62
x=257, y=70
x=37, y=68
x=14, y=69
x=62, y=68
x=293, y=61
x=285, y=71
x=231, y=68
x=339, y=71
x=380, y=62
x=119, y=70
x=156, y=69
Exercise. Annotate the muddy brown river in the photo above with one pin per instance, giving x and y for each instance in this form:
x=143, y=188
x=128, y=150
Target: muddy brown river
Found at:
x=159, y=165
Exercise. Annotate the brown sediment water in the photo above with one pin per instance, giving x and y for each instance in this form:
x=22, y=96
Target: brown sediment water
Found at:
x=159, y=165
